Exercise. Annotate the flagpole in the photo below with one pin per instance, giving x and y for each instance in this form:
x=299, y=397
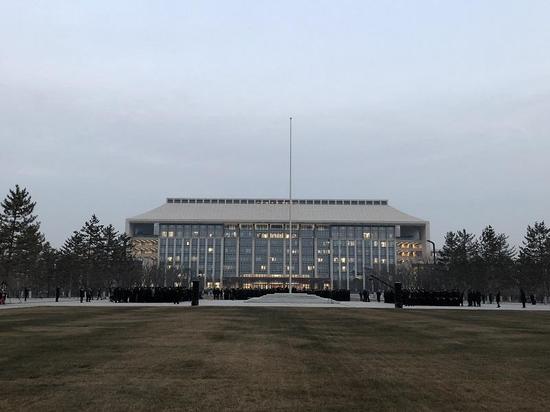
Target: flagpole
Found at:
x=290, y=208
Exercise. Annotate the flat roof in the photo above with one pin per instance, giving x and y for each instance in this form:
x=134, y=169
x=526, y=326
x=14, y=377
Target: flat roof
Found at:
x=213, y=210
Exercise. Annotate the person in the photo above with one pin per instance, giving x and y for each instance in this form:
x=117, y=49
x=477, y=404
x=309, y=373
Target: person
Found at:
x=26, y=294
x=522, y=297
x=57, y=292
x=366, y=296
x=81, y=295
x=361, y=296
x=378, y=294
x=498, y=299
x=3, y=293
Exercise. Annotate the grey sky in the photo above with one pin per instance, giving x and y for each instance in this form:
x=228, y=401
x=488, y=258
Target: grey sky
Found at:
x=442, y=107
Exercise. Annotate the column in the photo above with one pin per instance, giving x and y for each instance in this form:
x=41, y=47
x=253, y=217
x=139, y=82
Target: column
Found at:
x=331, y=261
x=222, y=253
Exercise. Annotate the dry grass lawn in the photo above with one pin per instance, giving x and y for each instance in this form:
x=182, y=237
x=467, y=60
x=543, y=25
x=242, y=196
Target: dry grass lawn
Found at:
x=272, y=359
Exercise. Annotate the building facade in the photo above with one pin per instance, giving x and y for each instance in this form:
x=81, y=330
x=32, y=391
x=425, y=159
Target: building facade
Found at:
x=246, y=242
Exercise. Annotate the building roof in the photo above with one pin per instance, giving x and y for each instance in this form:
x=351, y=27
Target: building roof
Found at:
x=177, y=210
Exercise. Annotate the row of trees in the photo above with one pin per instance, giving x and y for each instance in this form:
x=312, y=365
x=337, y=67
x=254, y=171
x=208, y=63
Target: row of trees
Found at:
x=489, y=263
x=96, y=256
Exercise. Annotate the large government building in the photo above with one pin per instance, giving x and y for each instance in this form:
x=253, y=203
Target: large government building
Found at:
x=246, y=242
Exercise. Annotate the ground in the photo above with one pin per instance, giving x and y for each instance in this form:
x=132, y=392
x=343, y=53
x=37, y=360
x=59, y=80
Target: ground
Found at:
x=266, y=358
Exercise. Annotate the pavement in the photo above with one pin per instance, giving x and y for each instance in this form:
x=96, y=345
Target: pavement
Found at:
x=324, y=303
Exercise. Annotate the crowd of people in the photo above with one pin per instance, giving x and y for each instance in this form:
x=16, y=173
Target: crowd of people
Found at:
x=148, y=295
x=422, y=297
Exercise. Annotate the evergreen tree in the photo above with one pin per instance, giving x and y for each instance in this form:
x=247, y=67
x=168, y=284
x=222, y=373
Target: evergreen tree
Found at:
x=46, y=280
x=496, y=259
x=92, y=232
x=534, y=257
x=20, y=238
x=72, y=262
x=459, y=257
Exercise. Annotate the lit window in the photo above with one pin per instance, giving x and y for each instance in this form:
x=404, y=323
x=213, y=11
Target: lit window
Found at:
x=170, y=234
x=366, y=235
x=170, y=258
x=164, y=234
x=343, y=260
x=383, y=244
x=319, y=259
x=210, y=249
x=310, y=267
x=263, y=267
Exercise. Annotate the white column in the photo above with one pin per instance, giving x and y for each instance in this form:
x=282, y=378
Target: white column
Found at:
x=331, y=261
x=269, y=255
x=238, y=261
x=253, y=253
x=206, y=262
x=348, y=264
x=364, y=265
x=340, y=264
x=315, y=257
x=299, y=256
x=213, y=259
x=284, y=255
x=222, y=253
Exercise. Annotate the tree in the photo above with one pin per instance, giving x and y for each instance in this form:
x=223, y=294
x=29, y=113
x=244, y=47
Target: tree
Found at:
x=458, y=257
x=496, y=259
x=20, y=238
x=92, y=232
x=72, y=261
x=46, y=279
x=534, y=257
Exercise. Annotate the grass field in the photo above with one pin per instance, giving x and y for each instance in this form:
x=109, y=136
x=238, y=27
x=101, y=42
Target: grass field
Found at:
x=273, y=359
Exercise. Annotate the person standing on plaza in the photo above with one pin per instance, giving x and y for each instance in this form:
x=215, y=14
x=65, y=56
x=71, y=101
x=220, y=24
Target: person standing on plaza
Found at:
x=498, y=299
x=57, y=293
x=523, y=297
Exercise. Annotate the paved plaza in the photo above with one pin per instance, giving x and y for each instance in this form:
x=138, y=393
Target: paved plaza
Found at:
x=298, y=302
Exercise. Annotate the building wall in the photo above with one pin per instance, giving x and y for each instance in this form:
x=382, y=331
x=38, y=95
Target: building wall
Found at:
x=258, y=254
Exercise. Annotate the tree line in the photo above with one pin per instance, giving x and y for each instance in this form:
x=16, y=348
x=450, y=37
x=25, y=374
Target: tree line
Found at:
x=94, y=257
x=489, y=263
x=98, y=257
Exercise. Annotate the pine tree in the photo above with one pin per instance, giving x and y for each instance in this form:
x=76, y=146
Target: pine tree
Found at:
x=458, y=256
x=72, y=262
x=534, y=257
x=20, y=238
x=46, y=280
x=496, y=259
x=93, y=238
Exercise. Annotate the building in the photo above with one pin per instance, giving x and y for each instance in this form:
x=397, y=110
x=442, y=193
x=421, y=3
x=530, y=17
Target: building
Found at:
x=245, y=242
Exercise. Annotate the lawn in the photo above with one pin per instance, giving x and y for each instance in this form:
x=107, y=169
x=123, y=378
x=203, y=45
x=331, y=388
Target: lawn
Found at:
x=272, y=359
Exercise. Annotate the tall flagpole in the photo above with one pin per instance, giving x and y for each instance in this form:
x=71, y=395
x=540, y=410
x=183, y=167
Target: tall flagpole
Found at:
x=290, y=209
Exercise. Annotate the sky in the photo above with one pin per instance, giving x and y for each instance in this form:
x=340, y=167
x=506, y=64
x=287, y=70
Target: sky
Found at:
x=441, y=107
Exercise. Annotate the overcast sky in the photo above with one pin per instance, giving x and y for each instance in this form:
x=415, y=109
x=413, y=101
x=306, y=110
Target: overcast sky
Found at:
x=441, y=107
